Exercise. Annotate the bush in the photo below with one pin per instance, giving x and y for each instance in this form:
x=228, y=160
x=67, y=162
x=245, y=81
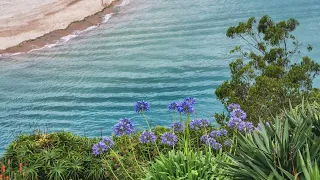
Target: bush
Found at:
x=264, y=79
x=51, y=156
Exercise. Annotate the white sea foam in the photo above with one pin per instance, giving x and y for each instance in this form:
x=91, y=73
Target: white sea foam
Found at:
x=107, y=17
x=125, y=2
x=10, y=54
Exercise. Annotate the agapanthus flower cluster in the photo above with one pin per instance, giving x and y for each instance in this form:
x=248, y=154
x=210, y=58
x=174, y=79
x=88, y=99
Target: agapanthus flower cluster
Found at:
x=102, y=146
x=234, y=122
x=183, y=107
x=108, y=142
x=245, y=126
x=169, y=139
x=124, y=127
x=233, y=106
x=238, y=114
x=147, y=137
x=210, y=141
x=142, y=106
x=197, y=124
x=205, y=123
x=213, y=143
x=237, y=117
x=190, y=100
x=218, y=133
x=177, y=127
x=205, y=138
x=173, y=106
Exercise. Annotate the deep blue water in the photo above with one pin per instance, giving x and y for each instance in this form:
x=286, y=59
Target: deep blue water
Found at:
x=154, y=50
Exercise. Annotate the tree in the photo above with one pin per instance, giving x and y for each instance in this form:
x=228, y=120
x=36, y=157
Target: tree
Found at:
x=270, y=71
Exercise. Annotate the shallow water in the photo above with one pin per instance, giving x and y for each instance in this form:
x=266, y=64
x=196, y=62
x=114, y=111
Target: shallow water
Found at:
x=156, y=50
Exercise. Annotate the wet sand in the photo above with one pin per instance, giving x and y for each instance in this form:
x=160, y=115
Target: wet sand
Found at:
x=30, y=34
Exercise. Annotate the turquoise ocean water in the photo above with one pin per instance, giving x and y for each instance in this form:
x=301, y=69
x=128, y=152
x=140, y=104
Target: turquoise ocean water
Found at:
x=154, y=50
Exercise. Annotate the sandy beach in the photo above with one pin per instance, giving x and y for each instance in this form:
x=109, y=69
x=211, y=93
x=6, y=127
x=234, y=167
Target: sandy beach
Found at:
x=25, y=25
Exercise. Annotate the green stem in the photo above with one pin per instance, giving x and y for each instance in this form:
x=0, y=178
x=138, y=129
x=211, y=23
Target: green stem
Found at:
x=187, y=147
x=173, y=126
x=187, y=136
x=122, y=164
x=149, y=152
x=145, y=118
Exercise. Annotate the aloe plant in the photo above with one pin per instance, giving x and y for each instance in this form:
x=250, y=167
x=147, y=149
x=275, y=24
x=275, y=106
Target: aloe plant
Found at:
x=309, y=167
x=192, y=166
x=277, y=151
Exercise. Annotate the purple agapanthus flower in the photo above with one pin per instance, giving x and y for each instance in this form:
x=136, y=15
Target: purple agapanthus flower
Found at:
x=147, y=137
x=228, y=142
x=205, y=122
x=124, y=127
x=108, y=142
x=213, y=134
x=249, y=126
x=177, y=127
x=239, y=114
x=216, y=146
x=245, y=126
x=196, y=124
x=185, y=107
x=233, y=122
x=99, y=148
x=190, y=100
x=242, y=126
x=218, y=133
x=173, y=106
x=142, y=106
x=169, y=139
x=223, y=132
x=204, y=138
x=213, y=143
x=233, y=106
x=208, y=140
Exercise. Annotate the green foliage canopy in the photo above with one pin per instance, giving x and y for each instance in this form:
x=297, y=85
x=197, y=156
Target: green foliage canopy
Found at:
x=270, y=70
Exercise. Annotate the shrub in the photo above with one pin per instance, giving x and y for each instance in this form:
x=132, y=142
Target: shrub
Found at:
x=264, y=79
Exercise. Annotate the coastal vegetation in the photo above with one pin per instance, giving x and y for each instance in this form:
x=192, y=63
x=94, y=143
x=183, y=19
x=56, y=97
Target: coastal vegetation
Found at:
x=270, y=129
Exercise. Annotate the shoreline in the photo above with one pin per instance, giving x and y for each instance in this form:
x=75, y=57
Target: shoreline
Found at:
x=53, y=37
